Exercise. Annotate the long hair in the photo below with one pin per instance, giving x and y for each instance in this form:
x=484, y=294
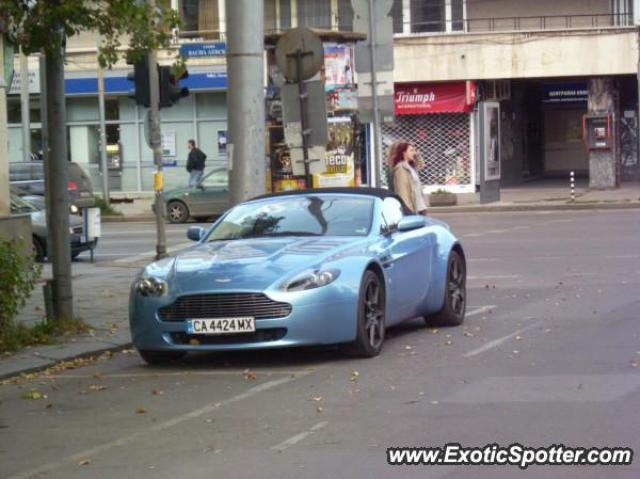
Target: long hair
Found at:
x=398, y=152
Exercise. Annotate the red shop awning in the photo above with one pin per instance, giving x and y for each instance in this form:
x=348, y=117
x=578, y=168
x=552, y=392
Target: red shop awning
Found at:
x=421, y=98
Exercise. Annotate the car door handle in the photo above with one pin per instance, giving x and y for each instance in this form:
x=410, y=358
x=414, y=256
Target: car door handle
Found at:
x=386, y=261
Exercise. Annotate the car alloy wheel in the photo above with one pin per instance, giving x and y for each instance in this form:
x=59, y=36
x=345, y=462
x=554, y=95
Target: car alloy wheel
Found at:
x=455, y=295
x=177, y=212
x=371, y=316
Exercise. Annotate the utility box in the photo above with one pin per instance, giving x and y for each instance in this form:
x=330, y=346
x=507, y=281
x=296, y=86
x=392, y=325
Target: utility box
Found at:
x=597, y=131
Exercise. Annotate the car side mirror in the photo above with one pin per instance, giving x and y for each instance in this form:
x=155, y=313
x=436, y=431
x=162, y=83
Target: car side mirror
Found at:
x=195, y=233
x=412, y=222
x=200, y=186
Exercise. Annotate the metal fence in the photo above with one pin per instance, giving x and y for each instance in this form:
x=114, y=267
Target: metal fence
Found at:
x=442, y=140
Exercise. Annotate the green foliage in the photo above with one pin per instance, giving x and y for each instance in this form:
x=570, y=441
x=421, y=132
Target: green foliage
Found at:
x=441, y=191
x=43, y=25
x=105, y=209
x=18, y=276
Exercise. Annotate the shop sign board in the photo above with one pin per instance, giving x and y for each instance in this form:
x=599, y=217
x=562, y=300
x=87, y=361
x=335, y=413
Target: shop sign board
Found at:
x=573, y=92
x=199, y=50
x=423, y=98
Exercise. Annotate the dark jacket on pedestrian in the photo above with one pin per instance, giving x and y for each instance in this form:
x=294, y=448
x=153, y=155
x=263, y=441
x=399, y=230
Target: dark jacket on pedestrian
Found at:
x=196, y=159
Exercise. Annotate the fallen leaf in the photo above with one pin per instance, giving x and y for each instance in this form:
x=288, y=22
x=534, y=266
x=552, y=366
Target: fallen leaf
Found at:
x=319, y=409
x=33, y=394
x=141, y=410
x=317, y=398
x=84, y=462
x=408, y=348
x=435, y=331
x=449, y=343
x=248, y=374
x=354, y=375
x=97, y=375
x=157, y=392
x=97, y=387
x=48, y=406
x=469, y=334
x=518, y=338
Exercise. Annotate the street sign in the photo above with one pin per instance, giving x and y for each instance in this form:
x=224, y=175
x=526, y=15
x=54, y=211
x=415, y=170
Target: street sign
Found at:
x=311, y=51
x=383, y=53
x=316, y=110
x=383, y=29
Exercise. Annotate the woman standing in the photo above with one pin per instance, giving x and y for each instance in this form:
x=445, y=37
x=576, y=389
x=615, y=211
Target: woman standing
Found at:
x=406, y=181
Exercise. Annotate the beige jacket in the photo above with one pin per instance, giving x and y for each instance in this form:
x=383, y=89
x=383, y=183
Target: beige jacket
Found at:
x=403, y=186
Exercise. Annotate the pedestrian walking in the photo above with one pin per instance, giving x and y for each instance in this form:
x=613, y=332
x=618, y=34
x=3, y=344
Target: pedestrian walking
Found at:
x=195, y=163
x=406, y=181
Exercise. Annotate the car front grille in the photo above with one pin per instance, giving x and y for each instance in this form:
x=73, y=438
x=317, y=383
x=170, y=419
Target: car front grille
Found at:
x=224, y=305
x=258, y=336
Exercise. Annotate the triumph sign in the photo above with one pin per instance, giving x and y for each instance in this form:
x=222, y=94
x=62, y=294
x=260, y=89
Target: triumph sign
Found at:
x=421, y=98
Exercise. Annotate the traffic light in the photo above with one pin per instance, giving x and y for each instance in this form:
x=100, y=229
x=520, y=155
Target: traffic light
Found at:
x=140, y=79
x=170, y=91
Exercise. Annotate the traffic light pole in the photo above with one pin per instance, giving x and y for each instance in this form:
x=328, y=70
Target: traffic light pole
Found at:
x=155, y=141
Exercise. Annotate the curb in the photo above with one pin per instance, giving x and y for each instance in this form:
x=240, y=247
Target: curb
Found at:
x=71, y=357
x=533, y=207
x=128, y=219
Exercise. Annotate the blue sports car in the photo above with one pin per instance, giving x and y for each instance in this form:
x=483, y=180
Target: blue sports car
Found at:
x=324, y=266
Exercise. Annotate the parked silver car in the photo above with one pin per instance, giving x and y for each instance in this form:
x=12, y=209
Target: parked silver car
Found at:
x=39, y=228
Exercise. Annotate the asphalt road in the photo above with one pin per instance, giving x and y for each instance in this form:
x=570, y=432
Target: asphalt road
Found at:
x=549, y=354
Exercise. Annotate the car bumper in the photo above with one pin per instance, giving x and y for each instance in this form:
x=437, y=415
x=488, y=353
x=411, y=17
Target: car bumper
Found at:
x=325, y=320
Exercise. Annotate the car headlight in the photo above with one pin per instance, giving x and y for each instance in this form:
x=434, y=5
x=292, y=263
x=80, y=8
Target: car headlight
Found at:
x=311, y=279
x=151, y=286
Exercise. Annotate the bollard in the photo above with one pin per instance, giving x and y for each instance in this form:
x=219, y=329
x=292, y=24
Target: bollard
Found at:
x=573, y=186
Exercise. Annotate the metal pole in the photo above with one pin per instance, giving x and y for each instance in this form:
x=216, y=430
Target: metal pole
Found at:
x=303, y=120
x=24, y=106
x=377, y=146
x=59, y=247
x=5, y=199
x=638, y=101
x=154, y=127
x=245, y=98
x=103, y=136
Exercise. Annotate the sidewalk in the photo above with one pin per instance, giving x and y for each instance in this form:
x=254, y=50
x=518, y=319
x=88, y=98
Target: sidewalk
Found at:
x=100, y=298
x=537, y=195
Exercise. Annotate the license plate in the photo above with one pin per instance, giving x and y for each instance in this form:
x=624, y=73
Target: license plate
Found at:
x=221, y=326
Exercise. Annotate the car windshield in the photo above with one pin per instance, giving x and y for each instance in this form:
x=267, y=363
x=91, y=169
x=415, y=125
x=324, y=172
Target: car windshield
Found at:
x=320, y=215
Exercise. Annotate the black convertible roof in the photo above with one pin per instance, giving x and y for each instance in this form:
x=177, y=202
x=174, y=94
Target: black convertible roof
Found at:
x=381, y=193
x=365, y=191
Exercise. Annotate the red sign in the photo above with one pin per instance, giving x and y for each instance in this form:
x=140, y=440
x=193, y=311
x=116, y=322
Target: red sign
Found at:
x=421, y=98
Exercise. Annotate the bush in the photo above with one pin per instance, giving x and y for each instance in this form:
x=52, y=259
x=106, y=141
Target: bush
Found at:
x=18, y=276
x=105, y=209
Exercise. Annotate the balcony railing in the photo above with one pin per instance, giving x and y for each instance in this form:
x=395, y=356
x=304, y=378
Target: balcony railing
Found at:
x=523, y=23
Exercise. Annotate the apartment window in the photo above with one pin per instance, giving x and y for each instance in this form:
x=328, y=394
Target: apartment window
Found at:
x=427, y=16
x=314, y=13
x=396, y=14
x=437, y=15
x=285, y=13
x=345, y=15
x=200, y=16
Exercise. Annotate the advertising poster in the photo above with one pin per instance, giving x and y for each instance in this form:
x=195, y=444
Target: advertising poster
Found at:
x=338, y=67
x=222, y=142
x=339, y=168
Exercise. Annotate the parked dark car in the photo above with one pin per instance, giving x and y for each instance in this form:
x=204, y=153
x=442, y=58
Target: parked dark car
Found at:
x=210, y=197
x=39, y=228
x=28, y=176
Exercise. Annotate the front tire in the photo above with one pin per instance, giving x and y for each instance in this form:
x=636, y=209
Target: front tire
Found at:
x=177, y=212
x=160, y=357
x=455, y=296
x=371, y=317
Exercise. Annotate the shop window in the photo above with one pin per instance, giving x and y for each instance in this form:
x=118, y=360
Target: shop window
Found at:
x=111, y=109
x=285, y=14
x=14, y=110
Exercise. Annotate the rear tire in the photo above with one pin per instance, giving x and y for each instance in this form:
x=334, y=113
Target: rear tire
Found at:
x=371, y=317
x=455, y=296
x=161, y=357
x=38, y=249
x=177, y=212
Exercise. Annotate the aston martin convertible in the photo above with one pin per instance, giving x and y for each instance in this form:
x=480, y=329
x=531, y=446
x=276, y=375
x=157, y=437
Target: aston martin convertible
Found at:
x=314, y=267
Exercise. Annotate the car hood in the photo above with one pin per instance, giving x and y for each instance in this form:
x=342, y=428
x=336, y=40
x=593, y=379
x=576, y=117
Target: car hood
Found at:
x=177, y=192
x=252, y=264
